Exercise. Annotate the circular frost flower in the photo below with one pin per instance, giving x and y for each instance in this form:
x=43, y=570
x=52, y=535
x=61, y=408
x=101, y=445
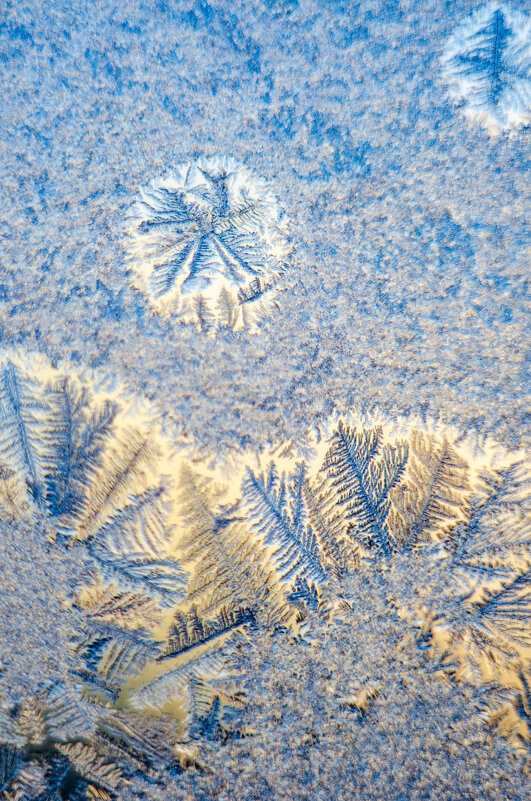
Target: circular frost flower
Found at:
x=207, y=244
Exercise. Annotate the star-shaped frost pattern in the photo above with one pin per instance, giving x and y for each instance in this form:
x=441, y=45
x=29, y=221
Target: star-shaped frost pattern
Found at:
x=487, y=64
x=207, y=243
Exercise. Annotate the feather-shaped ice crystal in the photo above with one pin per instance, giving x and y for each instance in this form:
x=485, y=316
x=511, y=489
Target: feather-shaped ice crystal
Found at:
x=487, y=64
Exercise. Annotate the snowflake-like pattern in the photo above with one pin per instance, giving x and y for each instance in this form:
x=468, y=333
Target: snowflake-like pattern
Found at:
x=207, y=244
x=487, y=63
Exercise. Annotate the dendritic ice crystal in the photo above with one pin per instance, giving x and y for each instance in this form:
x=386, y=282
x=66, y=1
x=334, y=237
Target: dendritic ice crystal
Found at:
x=188, y=568
x=207, y=244
x=81, y=467
x=487, y=64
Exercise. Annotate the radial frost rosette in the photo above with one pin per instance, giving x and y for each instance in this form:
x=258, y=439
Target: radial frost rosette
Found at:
x=487, y=65
x=207, y=243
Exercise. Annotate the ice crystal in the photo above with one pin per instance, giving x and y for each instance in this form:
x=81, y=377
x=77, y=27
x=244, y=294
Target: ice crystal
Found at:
x=277, y=512
x=437, y=524
x=487, y=64
x=51, y=757
x=207, y=244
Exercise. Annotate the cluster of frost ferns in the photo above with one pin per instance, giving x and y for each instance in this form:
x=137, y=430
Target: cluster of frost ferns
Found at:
x=90, y=474
x=207, y=244
x=60, y=744
x=182, y=565
x=45, y=752
x=371, y=497
x=487, y=64
x=478, y=618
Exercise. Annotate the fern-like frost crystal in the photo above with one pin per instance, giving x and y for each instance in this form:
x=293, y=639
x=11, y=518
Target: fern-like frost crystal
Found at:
x=207, y=244
x=275, y=505
x=362, y=472
x=487, y=64
x=152, y=668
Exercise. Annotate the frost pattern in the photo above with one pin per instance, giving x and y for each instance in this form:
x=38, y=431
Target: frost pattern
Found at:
x=207, y=244
x=489, y=597
x=361, y=475
x=46, y=753
x=487, y=64
x=387, y=495
x=180, y=572
x=91, y=474
x=278, y=514
x=231, y=571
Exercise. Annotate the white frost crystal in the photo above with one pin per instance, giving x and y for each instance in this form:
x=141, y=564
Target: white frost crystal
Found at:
x=487, y=64
x=207, y=244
